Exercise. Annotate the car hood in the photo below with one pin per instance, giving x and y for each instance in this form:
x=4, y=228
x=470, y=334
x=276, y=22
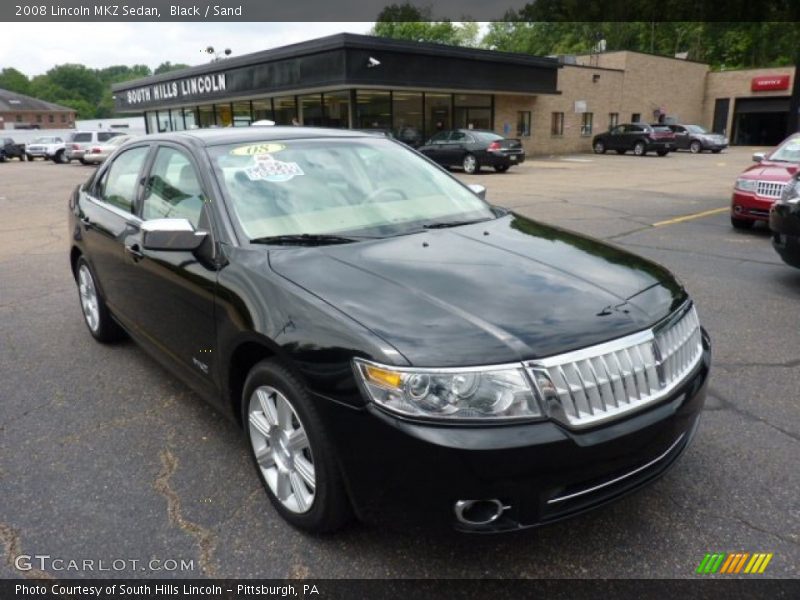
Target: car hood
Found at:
x=770, y=171
x=501, y=291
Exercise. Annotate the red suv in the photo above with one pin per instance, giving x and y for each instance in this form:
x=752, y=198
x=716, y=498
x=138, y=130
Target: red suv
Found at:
x=760, y=185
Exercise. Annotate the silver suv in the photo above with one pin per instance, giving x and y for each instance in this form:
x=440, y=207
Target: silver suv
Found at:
x=80, y=141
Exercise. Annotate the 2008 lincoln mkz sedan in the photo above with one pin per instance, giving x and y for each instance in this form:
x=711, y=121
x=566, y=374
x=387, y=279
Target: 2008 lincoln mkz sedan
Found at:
x=393, y=345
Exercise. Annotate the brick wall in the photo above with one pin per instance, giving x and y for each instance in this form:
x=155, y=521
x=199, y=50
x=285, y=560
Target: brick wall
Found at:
x=41, y=119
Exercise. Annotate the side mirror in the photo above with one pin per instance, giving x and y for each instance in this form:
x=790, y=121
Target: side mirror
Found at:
x=171, y=234
x=759, y=156
x=478, y=190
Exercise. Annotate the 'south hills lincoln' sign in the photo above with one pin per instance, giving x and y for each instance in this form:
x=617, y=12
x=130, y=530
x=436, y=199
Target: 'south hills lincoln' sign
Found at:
x=189, y=87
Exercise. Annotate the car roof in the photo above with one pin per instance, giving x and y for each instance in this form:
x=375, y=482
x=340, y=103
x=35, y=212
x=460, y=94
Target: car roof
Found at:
x=234, y=135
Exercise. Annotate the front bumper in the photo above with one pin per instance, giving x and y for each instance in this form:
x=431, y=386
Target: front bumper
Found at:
x=402, y=471
x=749, y=207
x=784, y=221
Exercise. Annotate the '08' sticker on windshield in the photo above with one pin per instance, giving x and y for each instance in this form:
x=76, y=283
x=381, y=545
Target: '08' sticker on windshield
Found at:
x=267, y=168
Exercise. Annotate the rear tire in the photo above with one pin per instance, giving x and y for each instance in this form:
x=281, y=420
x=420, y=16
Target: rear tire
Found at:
x=742, y=223
x=717, y=151
x=639, y=149
x=285, y=431
x=83, y=161
x=501, y=168
x=60, y=158
x=599, y=147
x=95, y=312
x=29, y=157
x=662, y=152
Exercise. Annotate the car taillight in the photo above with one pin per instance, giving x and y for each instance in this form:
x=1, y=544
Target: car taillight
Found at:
x=95, y=151
x=494, y=146
x=76, y=147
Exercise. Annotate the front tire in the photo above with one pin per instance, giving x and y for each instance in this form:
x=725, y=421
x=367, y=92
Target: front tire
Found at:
x=291, y=450
x=695, y=147
x=60, y=158
x=639, y=149
x=501, y=168
x=662, y=152
x=95, y=312
x=742, y=223
x=29, y=157
x=470, y=164
x=599, y=147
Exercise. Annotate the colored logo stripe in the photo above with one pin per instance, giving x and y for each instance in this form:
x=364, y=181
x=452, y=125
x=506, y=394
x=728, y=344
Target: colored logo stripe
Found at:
x=721, y=562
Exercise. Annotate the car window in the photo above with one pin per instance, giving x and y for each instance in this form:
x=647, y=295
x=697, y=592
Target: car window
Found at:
x=618, y=129
x=487, y=136
x=458, y=136
x=440, y=137
x=173, y=189
x=118, y=184
x=368, y=186
x=662, y=129
x=82, y=137
x=103, y=136
x=696, y=129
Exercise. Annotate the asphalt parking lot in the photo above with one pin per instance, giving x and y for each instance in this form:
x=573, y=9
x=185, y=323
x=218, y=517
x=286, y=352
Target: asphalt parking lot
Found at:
x=104, y=455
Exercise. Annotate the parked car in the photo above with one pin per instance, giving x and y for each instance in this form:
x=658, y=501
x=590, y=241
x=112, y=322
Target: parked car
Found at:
x=640, y=138
x=761, y=184
x=393, y=346
x=696, y=139
x=10, y=149
x=472, y=149
x=79, y=141
x=784, y=221
x=98, y=153
x=47, y=147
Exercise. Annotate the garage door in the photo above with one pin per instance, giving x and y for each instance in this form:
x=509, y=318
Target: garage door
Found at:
x=760, y=121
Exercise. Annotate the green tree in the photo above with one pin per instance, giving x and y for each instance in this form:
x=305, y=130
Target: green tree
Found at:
x=14, y=81
x=409, y=22
x=166, y=67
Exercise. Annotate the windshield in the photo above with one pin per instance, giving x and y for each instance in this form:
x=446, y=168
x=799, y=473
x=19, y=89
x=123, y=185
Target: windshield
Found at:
x=696, y=129
x=788, y=151
x=367, y=186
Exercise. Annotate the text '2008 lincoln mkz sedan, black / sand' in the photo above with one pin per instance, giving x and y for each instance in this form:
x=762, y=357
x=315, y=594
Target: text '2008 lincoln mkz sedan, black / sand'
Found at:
x=393, y=345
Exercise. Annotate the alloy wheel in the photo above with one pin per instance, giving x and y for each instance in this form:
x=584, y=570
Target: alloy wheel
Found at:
x=89, y=301
x=695, y=147
x=639, y=149
x=470, y=164
x=282, y=449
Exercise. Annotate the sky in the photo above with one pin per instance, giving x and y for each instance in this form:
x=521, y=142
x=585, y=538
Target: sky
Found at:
x=33, y=48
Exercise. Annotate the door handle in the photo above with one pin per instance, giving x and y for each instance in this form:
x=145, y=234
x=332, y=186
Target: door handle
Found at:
x=87, y=222
x=134, y=250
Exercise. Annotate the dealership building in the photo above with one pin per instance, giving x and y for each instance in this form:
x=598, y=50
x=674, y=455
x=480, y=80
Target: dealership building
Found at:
x=555, y=105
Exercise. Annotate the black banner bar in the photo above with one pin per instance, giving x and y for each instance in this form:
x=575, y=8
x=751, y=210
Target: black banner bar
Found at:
x=732, y=588
x=368, y=10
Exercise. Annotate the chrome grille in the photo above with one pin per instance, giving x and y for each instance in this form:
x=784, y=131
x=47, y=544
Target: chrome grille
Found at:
x=606, y=381
x=769, y=189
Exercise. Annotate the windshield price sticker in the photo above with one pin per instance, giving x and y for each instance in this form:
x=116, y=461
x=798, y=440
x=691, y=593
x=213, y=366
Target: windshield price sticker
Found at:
x=257, y=149
x=267, y=168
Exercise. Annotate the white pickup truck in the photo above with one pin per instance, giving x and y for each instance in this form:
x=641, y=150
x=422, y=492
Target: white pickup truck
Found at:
x=47, y=147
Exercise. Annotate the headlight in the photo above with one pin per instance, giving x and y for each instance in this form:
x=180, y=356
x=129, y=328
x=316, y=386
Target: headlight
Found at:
x=453, y=394
x=745, y=185
x=791, y=192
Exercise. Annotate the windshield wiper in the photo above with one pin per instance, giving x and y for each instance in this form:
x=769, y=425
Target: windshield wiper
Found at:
x=307, y=239
x=446, y=224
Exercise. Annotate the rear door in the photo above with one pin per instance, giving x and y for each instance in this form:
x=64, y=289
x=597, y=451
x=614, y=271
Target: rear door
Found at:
x=108, y=215
x=175, y=290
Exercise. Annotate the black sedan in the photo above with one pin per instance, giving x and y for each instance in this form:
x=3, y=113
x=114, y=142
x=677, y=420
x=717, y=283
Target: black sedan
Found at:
x=639, y=138
x=784, y=221
x=696, y=139
x=472, y=149
x=392, y=345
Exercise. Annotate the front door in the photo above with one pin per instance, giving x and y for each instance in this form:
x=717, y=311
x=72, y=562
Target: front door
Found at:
x=175, y=289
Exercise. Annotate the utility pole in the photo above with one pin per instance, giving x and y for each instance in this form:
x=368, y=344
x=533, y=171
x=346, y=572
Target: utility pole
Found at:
x=793, y=122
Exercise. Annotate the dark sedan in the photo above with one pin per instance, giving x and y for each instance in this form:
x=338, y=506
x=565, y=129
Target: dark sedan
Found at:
x=393, y=346
x=472, y=149
x=784, y=221
x=639, y=138
x=695, y=139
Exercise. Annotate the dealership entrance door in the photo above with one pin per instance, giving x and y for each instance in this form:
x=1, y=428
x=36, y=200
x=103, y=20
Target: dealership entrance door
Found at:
x=760, y=121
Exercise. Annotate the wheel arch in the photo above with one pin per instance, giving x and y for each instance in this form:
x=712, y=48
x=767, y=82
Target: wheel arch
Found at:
x=245, y=355
x=74, y=254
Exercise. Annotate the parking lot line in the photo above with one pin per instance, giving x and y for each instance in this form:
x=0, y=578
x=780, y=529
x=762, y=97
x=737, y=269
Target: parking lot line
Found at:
x=705, y=213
